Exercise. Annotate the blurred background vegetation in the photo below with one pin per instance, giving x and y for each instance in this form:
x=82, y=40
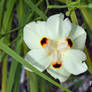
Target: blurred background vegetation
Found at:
x=14, y=15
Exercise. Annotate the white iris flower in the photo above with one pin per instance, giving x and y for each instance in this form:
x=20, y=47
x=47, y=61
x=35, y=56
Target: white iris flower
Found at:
x=56, y=46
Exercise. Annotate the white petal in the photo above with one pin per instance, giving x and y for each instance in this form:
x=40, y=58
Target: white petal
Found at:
x=53, y=24
x=60, y=74
x=64, y=28
x=59, y=27
x=78, y=35
x=72, y=61
x=33, y=33
x=38, y=58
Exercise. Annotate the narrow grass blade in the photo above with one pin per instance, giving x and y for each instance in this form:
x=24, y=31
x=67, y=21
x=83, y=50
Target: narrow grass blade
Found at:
x=17, y=78
x=33, y=82
x=2, y=54
x=7, y=15
x=11, y=76
x=4, y=73
x=43, y=85
x=89, y=63
x=66, y=6
x=2, y=2
x=64, y=1
x=87, y=18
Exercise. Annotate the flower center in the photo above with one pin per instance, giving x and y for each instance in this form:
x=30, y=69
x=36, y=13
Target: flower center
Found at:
x=56, y=49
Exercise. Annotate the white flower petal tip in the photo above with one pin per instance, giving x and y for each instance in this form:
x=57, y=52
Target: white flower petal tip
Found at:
x=55, y=17
x=38, y=59
x=73, y=61
x=59, y=41
x=61, y=74
x=83, y=67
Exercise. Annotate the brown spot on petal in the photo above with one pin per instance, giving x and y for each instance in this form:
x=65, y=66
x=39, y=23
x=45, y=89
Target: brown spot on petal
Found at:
x=56, y=65
x=70, y=43
x=44, y=41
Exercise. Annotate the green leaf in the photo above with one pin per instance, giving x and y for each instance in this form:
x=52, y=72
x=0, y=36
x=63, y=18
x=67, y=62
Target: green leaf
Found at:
x=4, y=73
x=33, y=82
x=43, y=85
x=87, y=18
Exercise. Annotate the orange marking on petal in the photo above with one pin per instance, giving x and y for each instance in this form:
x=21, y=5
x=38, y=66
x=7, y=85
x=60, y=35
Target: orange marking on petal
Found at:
x=56, y=65
x=44, y=41
x=70, y=43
